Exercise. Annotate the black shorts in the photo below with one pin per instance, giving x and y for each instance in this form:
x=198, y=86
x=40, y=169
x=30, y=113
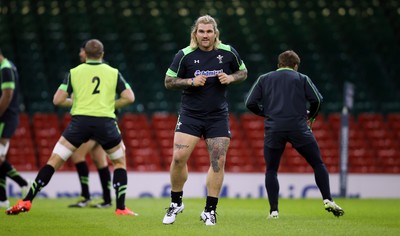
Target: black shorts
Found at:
x=208, y=128
x=102, y=129
x=8, y=126
x=297, y=138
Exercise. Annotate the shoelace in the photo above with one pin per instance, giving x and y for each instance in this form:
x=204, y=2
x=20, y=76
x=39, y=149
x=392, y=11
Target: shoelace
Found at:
x=170, y=210
x=213, y=217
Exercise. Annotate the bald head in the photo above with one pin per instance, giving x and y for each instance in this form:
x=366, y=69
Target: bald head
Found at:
x=94, y=49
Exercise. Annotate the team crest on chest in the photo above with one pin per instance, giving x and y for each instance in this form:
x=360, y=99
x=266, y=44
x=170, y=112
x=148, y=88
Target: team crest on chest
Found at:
x=219, y=57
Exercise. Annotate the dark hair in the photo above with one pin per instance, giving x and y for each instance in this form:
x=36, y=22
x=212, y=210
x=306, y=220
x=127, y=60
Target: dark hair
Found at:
x=1, y=53
x=94, y=49
x=288, y=59
x=84, y=44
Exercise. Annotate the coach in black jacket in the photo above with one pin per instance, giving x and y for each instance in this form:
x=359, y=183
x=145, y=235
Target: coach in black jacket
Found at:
x=289, y=101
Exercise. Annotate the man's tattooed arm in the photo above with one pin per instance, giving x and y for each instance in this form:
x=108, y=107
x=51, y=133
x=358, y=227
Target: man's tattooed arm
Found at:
x=177, y=83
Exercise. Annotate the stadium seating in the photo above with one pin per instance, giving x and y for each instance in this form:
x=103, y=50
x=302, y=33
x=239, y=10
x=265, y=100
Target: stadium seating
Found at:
x=393, y=120
x=163, y=125
x=141, y=149
x=373, y=143
x=200, y=159
x=22, y=154
x=239, y=158
x=46, y=132
x=340, y=44
x=338, y=38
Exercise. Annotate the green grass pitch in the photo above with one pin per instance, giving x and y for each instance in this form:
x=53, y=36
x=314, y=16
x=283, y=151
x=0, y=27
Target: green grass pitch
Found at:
x=235, y=217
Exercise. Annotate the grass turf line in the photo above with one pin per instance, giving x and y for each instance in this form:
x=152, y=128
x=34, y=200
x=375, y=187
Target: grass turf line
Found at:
x=235, y=217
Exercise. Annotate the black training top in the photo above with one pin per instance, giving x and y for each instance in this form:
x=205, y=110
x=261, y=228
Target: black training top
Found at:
x=209, y=100
x=281, y=96
x=9, y=80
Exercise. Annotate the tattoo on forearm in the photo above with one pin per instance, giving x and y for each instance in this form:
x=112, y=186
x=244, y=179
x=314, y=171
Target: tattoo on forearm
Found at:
x=239, y=75
x=181, y=146
x=218, y=148
x=176, y=83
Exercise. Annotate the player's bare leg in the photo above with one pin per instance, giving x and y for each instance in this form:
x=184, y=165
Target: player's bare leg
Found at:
x=184, y=145
x=217, y=148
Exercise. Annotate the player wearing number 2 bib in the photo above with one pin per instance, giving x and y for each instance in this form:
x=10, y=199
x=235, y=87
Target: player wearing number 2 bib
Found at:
x=94, y=86
x=94, y=76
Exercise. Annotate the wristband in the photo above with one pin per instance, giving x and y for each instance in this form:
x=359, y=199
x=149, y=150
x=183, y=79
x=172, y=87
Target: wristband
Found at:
x=192, y=82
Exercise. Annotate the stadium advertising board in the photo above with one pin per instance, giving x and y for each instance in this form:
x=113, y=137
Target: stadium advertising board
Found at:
x=251, y=185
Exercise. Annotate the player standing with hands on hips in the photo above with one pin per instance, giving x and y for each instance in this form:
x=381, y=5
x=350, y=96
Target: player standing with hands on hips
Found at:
x=203, y=71
x=281, y=97
x=95, y=86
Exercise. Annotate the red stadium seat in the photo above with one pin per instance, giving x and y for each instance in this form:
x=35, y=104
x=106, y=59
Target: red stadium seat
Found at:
x=320, y=122
x=322, y=133
x=233, y=122
x=130, y=121
x=357, y=143
x=144, y=159
x=142, y=149
x=45, y=120
x=164, y=121
x=66, y=118
x=201, y=163
x=393, y=117
x=21, y=153
x=362, y=160
x=46, y=132
x=393, y=122
x=250, y=121
x=367, y=117
x=334, y=120
x=238, y=160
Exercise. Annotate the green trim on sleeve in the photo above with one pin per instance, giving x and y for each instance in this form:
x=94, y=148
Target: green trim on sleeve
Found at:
x=171, y=73
x=242, y=66
x=224, y=47
x=8, y=85
x=63, y=87
x=1, y=128
x=5, y=64
x=187, y=50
